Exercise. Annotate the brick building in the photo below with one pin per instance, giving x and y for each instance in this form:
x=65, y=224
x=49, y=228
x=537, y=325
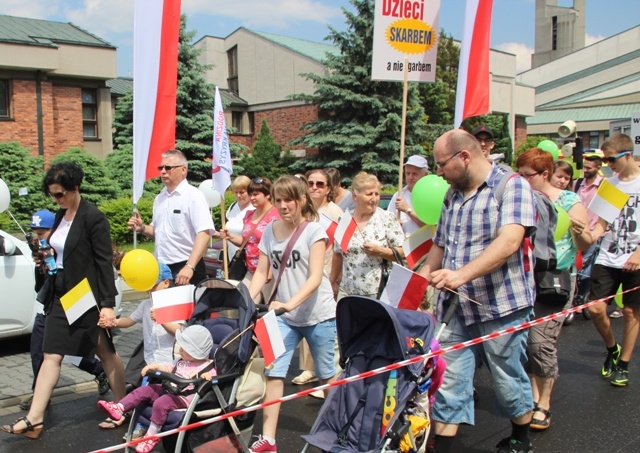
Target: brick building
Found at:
x=52, y=87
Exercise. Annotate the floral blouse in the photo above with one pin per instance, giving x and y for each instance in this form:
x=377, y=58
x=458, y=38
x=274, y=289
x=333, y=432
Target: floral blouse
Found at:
x=360, y=272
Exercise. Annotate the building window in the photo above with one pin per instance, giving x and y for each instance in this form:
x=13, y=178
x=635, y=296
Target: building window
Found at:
x=594, y=140
x=251, y=123
x=236, y=122
x=89, y=113
x=5, y=97
x=554, y=33
x=232, y=80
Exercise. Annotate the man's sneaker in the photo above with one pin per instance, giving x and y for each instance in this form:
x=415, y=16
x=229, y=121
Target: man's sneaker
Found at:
x=609, y=365
x=262, y=445
x=620, y=377
x=511, y=445
x=306, y=377
x=103, y=383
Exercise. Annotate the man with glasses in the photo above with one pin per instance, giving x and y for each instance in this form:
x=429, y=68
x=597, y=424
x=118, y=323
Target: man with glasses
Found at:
x=478, y=254
x=182, y=225
x=415, y=168
x=484, y=135
x=618, y=262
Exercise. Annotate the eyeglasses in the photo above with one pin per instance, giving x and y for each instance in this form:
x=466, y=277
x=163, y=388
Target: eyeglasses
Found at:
x=613, y=159
x=529, y=175
x=58, y=195
x=257, y=180
x=168, y=168
x=318, y=184
x=442, y=164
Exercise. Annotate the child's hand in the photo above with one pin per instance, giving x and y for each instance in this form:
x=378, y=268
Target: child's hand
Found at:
x=152, y=314
x=208, y=375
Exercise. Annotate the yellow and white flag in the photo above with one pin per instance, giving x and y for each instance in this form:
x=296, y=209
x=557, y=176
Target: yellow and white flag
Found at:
x=608, y=201
x=78, y=301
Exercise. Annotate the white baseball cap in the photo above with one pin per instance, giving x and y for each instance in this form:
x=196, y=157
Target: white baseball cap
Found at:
x=417, y=161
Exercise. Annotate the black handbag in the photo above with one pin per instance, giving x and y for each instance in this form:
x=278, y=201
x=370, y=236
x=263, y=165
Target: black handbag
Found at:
x=238, y=265
x=46, y=293
x=553, y=287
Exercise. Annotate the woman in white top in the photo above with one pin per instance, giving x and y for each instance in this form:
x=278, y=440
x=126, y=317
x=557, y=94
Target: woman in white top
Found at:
x=238, y=210
x=303, y=292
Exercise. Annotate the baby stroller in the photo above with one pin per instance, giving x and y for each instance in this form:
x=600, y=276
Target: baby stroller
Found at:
x=228, y=312
x=376, y=414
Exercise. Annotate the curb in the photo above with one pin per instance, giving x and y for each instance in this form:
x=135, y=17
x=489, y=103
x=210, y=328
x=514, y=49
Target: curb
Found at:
x=57, y=392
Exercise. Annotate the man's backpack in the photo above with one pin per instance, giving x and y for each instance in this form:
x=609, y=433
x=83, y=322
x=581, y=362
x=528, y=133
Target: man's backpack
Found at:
x=542, y=243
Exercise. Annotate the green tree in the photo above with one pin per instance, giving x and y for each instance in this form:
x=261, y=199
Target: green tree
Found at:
x=499, y=124
x=123, y=121
x=119, y=164
x=97, y=187
x=359, y=119
x=20, y=171
x=266, y=158
x=439, y=98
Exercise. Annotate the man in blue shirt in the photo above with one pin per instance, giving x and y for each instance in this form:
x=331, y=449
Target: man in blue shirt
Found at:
x=479, y=253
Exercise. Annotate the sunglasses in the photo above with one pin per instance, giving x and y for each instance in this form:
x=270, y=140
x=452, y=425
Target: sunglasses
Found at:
x=58, y=195
x=318, y=184
x=257, y=180
x=168, y=168
x=613, y=159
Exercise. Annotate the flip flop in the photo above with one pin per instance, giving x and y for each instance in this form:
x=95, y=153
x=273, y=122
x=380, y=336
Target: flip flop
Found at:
x=110, y=423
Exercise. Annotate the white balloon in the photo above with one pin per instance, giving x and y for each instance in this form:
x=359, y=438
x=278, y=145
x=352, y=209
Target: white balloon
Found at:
x=5, y=196
x=213, y=196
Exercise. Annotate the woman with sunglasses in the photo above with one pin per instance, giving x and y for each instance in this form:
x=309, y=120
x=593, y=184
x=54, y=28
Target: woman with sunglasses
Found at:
x=303, y=292
x=536, y=166
x=81, y=242
x=321, y=192
x=254, y=223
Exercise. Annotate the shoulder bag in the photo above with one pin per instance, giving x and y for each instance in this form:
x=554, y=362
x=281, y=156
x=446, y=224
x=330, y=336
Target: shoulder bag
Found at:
x=553, y=287
x=385, y=270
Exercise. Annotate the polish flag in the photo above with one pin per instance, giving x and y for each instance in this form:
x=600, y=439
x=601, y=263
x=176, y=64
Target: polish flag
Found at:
x=472, y=95
x=418, y=245
x=345, y=230
x=330, y=226
x=405, y=289
x=156, y=28
x=173, y=304
x=269, y=338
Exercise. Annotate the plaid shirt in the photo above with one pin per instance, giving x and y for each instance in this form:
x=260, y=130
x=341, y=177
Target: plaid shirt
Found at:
x=465, y=230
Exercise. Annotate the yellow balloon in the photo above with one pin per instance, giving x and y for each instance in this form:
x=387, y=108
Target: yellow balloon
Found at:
x=140, y=269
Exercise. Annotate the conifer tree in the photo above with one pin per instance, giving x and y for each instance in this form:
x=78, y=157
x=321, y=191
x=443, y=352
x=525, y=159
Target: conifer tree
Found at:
x=359, y=119
x=266, y=159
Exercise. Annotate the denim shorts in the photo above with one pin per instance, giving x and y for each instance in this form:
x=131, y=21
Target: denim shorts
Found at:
x=505, y=357
x=321, y=338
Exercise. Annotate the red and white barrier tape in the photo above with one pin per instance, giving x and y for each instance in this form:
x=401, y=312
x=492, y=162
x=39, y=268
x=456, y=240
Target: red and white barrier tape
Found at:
x=367, y=374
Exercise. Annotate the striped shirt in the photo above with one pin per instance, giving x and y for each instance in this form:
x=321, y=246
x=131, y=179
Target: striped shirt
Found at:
x=465, y=230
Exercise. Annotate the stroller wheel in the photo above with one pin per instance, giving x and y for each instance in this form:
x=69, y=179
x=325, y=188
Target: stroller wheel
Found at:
x=568, y=320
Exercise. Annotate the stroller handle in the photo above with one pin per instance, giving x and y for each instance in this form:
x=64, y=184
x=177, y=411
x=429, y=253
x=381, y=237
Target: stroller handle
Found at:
x=262, y=309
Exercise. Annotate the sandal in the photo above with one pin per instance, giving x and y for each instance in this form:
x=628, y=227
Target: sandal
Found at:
x=541, y=424
x=31, y=431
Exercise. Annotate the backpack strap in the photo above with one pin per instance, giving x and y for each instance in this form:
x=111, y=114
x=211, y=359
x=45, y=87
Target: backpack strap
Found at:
x=579, y=182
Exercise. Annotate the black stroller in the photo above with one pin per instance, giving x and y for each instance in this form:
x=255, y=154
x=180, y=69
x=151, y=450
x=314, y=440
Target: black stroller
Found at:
x=228, y=312
x=375, y=414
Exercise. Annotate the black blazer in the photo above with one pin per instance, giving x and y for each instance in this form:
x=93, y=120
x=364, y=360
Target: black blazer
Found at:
x=88, y=253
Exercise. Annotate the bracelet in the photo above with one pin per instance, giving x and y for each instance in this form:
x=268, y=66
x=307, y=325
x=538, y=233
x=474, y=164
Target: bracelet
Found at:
x=190, y=266
x=141, y=231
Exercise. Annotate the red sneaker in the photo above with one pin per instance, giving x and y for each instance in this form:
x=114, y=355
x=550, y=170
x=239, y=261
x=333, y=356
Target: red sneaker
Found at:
x=262, y=445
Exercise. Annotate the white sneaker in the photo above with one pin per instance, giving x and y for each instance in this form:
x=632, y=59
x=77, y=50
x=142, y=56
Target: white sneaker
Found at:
x=306, y=377
x=319, y=394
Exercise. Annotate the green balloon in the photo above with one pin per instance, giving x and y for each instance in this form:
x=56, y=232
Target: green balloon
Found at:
x=550, y=147
x=427, y=197
x=618, y=297
x=563, y=224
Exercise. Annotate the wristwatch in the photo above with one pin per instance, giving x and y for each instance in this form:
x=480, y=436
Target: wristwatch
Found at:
x=190, y=266
x=409, y=211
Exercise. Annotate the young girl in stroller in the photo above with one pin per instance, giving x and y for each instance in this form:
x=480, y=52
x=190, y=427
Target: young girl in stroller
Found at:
x=195, y=346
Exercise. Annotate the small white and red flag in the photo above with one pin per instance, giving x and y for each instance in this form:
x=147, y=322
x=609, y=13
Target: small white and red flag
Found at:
x=418, y=244
x=405, y=289
x=345, y=230
x=330, y=226
x=173, y=304
x=269, y=337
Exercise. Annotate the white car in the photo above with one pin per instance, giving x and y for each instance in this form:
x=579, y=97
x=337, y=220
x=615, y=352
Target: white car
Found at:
x=18, y=305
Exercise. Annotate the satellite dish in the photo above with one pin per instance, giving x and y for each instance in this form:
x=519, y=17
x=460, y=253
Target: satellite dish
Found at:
x=567, y=129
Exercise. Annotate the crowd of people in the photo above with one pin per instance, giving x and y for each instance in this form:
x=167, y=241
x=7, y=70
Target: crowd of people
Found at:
x=479, y=264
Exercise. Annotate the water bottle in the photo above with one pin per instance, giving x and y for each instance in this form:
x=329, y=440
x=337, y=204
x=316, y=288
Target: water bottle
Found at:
x=49, y=259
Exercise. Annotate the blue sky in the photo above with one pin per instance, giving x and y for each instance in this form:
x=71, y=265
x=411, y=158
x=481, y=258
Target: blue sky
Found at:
x=112, y=20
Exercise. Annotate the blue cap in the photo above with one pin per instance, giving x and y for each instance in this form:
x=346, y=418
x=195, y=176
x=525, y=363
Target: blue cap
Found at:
x=165, y=273
x=43, y=219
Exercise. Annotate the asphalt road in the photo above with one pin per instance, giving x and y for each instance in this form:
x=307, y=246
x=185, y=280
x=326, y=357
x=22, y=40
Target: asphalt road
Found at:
x=589, y=415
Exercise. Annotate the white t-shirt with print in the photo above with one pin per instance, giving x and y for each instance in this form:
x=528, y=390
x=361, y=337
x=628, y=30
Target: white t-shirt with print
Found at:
x=158, y=343
x=318, y=307
x=623, y=235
